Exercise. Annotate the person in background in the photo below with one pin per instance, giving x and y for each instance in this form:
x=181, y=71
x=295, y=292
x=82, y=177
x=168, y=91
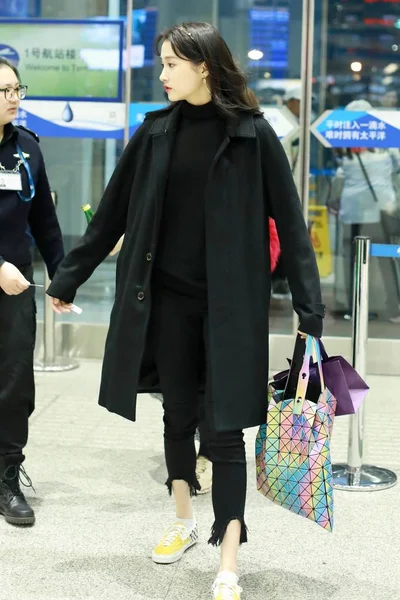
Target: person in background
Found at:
x=366, y=201
x=26, y=211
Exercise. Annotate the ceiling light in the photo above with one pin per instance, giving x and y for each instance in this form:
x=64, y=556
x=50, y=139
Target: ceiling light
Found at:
x=255, y=54
x=356, y=66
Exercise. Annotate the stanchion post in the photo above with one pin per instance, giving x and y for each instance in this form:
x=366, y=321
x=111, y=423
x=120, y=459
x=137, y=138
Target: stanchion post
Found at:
x=355, y=476
x=50, y=362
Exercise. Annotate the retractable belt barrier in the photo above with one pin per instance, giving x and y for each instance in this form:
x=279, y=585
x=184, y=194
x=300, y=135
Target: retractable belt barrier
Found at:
x=356, y=476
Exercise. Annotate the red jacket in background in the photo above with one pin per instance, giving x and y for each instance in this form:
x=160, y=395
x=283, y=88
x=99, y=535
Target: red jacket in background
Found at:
x=274, y=245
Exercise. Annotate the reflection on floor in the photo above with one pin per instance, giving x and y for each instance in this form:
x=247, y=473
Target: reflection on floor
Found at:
x=101, y=505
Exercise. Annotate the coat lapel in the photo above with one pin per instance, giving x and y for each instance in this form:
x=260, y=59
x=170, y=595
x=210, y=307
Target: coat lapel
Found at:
x=163, y=133
x=243, y=127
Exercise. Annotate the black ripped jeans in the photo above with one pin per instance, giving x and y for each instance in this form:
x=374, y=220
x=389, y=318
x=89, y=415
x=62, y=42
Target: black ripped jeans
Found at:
x=179, y=335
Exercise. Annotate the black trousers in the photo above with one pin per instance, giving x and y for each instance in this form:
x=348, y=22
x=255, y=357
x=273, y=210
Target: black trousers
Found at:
x=17, y=389
x=204, y=449
x=179, y=336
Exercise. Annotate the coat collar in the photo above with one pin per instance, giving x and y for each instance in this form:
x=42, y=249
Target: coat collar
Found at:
x=168, y=118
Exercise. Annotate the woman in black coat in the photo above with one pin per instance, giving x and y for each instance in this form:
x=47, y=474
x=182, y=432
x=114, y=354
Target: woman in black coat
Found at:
x=193, y=192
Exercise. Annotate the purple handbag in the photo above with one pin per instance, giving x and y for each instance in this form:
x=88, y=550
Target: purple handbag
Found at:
x=341, y=379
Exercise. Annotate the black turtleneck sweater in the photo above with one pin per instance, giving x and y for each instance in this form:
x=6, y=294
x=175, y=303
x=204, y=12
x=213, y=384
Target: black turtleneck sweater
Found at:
x=181, y=256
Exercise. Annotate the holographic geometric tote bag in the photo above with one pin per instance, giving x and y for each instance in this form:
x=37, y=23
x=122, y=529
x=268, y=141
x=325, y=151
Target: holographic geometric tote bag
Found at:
x=293, y=459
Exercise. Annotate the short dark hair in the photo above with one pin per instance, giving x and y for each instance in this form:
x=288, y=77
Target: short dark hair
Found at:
x=201, y=42
x=6, y=63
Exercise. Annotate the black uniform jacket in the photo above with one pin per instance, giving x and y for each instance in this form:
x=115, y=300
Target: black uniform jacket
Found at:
x=24, y=223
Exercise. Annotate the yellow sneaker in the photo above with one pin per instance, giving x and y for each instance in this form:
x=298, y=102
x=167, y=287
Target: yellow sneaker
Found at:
x=226, y=591
x=174, y=544
x=204, y=474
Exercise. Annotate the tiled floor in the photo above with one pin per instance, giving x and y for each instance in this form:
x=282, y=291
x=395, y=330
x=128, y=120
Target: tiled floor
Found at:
x=101, y=505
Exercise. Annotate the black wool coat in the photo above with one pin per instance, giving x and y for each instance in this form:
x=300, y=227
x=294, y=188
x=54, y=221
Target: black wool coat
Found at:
x=250, y=180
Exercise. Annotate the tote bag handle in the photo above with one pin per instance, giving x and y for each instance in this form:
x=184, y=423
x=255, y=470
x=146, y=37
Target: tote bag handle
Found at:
x=312, y=351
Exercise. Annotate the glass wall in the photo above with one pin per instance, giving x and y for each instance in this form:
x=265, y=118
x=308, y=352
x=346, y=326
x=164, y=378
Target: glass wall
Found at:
x=357, y=67
x=356, y=52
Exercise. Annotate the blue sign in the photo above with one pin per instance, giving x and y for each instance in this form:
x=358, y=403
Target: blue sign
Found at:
x=9, y=53
x=96, y=120
x=269, y=33
x=106, y=120
x=385, y=250
x=144, y=32
x=138, y=112
x=18, y=8
x=355, y=129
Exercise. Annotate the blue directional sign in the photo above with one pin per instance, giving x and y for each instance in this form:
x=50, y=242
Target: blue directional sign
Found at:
x=137, y=113
x=385, y=250
x=355, y=129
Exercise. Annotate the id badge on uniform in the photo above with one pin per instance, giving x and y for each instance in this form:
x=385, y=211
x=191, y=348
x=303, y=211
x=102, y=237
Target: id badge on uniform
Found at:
x=10, y=181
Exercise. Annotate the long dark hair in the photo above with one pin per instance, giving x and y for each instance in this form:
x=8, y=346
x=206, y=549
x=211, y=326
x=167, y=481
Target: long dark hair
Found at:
x=202, y=43
x=5, y=63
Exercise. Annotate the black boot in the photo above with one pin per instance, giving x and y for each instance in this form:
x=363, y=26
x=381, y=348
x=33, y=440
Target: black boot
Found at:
x=13, y=505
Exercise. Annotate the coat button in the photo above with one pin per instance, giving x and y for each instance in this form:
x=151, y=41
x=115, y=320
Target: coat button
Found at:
x=140, y=296
x=149, y=257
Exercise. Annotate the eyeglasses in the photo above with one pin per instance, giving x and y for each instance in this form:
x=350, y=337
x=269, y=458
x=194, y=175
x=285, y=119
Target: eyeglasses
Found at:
x=10, y=93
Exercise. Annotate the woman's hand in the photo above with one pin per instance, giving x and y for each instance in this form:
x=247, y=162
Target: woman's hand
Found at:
x=302, y=335
x=59, y=306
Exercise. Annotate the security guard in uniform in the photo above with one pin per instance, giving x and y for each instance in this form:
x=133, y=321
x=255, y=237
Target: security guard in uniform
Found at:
x=26, y=212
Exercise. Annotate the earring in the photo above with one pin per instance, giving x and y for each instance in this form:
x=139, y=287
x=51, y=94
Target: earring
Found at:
x=207, y=88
